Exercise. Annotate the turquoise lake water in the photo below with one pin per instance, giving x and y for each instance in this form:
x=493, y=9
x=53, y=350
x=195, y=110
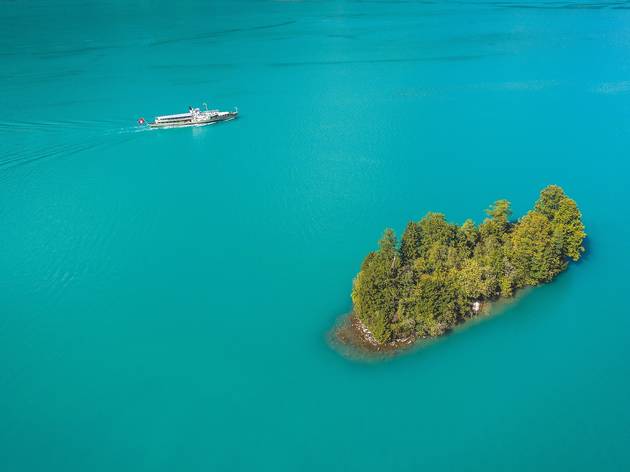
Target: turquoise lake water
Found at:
x=166, y=296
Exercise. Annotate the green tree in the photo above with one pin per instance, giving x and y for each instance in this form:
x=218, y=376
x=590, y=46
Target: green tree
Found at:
x=532, y=253
x=435, y=229
x=549, y=201
x=568, y=223
x=375, y=291
x=435, y=304
x=467, y=238
x=498, y=222
x=566, y=219
x=500, y=212
x=437, y=237
x=410, y=243
x=472, y=280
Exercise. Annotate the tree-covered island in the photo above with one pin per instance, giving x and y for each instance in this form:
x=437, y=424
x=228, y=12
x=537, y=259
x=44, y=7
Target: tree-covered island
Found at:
x=441, y=273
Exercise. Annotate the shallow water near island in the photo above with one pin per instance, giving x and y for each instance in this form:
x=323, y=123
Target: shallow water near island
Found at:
x=165, y=296
x=352, y=344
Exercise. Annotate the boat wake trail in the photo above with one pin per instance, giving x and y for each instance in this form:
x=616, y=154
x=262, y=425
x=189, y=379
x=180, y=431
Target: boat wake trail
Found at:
x=57, y=126
x=34, y=141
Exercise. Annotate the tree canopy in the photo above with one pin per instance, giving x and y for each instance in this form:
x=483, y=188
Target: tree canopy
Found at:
x=430, y=281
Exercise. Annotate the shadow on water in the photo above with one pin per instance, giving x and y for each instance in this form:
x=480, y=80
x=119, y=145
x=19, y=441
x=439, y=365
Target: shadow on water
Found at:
x=588, y=249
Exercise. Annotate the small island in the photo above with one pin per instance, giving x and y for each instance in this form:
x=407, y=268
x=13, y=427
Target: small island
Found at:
x=441, y=274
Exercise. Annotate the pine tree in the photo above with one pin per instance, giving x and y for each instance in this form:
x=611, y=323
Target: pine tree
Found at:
x=565, y=217
x=375, y=292
x=410, y=243
x=531, y=252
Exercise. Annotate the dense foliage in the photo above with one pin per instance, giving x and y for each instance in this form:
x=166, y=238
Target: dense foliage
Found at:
x=430, y=281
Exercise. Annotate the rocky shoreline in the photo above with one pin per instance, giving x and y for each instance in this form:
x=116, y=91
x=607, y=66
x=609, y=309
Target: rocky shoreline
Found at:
x=350, y=331
x=353, y=333
x=357, y=340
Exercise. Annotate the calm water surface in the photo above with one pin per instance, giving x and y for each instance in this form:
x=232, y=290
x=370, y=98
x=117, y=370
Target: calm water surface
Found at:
x=165, y=296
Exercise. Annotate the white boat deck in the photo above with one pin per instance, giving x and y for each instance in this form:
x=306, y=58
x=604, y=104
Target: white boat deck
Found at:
x=194, y=117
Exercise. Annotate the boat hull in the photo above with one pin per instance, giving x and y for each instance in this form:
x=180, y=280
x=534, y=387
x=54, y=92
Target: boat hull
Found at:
x=190, y=122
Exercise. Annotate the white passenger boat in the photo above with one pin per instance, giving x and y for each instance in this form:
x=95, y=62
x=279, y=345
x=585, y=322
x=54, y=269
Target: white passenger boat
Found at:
x=194, y=117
